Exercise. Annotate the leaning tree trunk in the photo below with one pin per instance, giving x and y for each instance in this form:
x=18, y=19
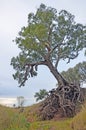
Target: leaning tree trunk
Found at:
x=61, y=100
x=56, y=74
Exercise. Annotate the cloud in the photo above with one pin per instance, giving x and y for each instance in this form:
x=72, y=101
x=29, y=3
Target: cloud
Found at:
x=8, y=101
x=11, y=101
x=10, y=17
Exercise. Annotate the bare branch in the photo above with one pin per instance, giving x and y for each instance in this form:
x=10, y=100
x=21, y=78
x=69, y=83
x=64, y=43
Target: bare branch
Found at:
x=58, y=57
x=56, y=64
x=36, y=64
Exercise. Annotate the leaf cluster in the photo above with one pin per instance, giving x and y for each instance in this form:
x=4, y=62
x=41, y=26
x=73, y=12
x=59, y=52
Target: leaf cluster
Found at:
x=42, y=94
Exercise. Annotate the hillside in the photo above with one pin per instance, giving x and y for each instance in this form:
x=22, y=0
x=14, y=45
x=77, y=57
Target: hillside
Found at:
x=27, y=119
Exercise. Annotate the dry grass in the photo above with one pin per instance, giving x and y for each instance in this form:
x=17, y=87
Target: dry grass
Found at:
x=79, y=121
x=14, y=119
x=10, y=119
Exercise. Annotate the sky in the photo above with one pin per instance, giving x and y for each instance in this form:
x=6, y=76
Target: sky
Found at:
x=13, y=16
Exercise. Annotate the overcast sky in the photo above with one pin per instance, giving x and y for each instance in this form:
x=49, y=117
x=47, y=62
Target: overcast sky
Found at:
x=13, y=16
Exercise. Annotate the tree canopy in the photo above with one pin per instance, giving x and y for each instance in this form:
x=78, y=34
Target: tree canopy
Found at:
x=47, y=39
x=76, y=74
x=42, y=94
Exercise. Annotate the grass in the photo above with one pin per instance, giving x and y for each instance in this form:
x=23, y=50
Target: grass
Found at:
x=51, y=125
x=10, y=119
x=79, y=121
x=14, y=119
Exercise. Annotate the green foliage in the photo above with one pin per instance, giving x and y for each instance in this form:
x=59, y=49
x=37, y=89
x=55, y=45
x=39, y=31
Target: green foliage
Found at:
x=42, y=94
x=47, y=37
x=77, y=74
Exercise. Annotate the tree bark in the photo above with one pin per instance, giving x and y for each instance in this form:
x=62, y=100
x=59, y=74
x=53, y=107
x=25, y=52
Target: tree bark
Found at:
x=56, y=74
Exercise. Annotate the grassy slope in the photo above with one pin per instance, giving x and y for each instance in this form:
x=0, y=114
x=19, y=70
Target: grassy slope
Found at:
x=79, y=121
x=14, y=119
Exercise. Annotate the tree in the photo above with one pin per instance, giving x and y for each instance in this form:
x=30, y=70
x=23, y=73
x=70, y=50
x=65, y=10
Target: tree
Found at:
x=42, y=94
x=46, y=40
x=77, y=74
x=14, y=105
x=21, y=101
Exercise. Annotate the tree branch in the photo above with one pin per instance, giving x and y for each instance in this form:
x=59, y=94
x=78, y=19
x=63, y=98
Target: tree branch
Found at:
x=56, y=64
x=58, y=57
x=31, y=68
x=47, y=44
x=72, y=57
x=25, y=77
x=36, y=64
